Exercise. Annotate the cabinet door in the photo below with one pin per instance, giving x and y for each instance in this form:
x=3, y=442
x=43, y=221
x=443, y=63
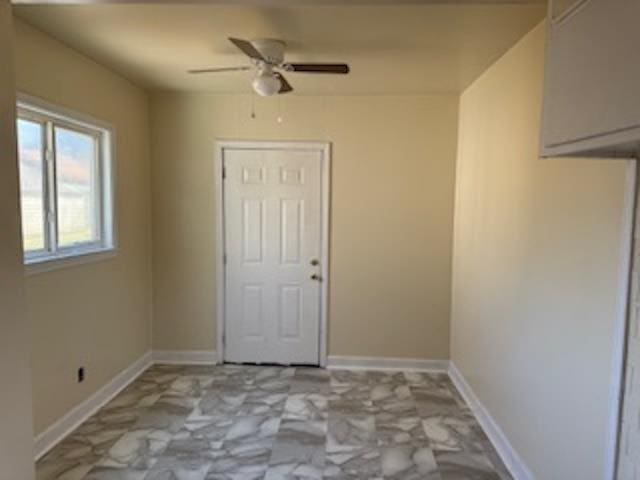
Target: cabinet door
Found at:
x=629, y=447
x=592, y=73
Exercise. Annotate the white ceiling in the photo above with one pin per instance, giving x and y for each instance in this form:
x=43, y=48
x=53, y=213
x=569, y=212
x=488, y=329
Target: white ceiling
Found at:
x=392, y=48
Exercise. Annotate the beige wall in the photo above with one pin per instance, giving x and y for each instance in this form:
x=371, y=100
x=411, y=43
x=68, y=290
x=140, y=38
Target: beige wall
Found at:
x=391, y=214
x=537, y=252
x=97, y=315
x=16, y=435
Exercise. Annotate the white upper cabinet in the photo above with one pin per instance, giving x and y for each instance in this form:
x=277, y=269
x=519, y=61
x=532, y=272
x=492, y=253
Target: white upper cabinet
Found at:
x=592, y=84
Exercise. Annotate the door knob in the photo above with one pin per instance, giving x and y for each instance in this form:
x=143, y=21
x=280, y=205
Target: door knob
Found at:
x=315, y=262
x=316, y=277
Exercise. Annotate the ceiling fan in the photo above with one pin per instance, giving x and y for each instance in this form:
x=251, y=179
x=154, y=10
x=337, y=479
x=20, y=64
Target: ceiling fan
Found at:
x=267, y=56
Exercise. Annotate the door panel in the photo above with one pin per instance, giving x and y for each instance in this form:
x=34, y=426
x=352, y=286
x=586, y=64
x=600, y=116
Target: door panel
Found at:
x=252, y=313
x=291, y=232
x=272, y=208
x=290, y=314
x=253, y=212
x=629, y=435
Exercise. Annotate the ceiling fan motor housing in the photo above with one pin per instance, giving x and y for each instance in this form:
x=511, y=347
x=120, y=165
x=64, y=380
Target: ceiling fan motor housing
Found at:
x=272, y=50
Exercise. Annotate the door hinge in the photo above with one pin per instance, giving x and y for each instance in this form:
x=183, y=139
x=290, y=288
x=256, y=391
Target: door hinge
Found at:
x=224, y=259
x=224, y=173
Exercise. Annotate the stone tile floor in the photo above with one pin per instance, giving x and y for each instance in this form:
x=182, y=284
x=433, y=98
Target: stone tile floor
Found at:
x=257, y=422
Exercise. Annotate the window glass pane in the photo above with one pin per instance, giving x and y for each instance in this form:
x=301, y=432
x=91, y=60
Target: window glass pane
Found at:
x=31, y=156
x=77, y=187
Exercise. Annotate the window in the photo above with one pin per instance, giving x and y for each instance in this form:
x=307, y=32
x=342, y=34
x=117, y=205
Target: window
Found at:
x=65, y=184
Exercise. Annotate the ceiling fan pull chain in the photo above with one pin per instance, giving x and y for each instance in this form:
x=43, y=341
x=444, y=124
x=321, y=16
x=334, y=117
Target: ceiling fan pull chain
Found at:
x=253, y=105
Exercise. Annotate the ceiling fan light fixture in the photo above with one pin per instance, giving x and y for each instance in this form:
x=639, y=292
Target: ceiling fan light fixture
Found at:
x=266, y=84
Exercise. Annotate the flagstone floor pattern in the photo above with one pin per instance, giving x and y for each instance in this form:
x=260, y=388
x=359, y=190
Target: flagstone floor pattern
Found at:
x=231, y=422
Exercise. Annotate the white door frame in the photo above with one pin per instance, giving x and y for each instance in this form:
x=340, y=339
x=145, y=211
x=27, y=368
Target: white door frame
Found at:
x=325, y=149
x=618, y=360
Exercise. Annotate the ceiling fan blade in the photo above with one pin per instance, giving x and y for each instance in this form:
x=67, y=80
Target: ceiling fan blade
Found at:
x=285, y=87
x=216, y=70
x=342, y=68
x=247, y=48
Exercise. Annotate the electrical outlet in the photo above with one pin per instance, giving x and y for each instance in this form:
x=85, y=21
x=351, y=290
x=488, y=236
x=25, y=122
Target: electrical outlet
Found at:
x=80, y=374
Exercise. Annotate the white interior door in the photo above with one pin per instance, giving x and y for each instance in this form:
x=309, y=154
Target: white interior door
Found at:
x=273, y=246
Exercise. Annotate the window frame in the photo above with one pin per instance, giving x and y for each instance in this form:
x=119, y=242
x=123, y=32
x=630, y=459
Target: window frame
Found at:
x=50, y=116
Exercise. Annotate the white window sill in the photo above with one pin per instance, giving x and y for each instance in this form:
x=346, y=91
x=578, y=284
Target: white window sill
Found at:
x=72, y=259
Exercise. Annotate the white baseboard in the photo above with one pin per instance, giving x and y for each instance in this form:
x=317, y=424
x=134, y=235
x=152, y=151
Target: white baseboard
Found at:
x=387, y=363
x=185, y=357
x=511, y=459
x=71, y=420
